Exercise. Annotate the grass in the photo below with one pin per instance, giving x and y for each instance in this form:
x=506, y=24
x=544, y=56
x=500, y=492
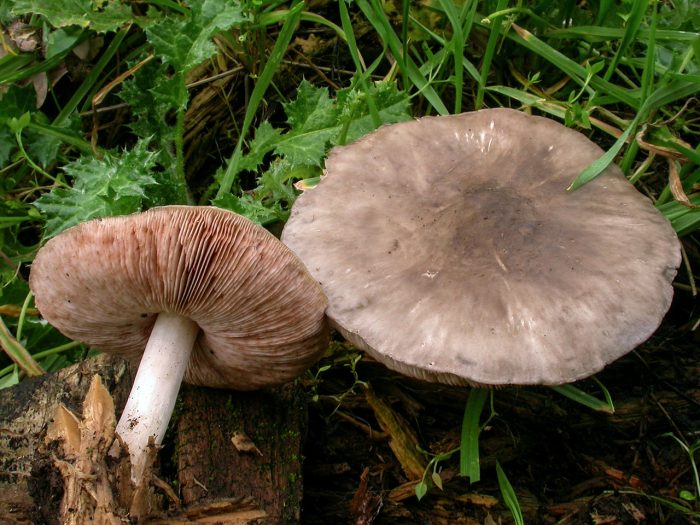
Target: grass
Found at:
x=98, y=113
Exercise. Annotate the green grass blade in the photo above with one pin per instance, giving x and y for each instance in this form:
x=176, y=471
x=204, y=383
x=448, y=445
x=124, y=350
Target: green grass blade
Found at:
x=92, y=78
x=677, y=90
x=11, y=64
x=683, y=219
x=509, y=496
x=634, y=19
x=18, y=353
x=587, y=400
x=577, y=72
x=494, y=33
x=456, y=44
x=265, y=79
x=648, y=73
x=439, y=56
x=280, y=15
x=355, y=54
x=469, y=439
x=38, y=67
x=64, y=135
x=612, y=33
x=603, y=10
x=404, y=35
x=376, y=17
x=660, y=97
x=600, y=164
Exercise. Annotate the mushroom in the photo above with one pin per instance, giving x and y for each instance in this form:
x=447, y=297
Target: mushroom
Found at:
x=198, y=292
x=450, y=249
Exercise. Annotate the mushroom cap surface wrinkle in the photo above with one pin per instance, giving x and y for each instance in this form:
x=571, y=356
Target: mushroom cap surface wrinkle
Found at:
x=450, y=250
x=260, y=313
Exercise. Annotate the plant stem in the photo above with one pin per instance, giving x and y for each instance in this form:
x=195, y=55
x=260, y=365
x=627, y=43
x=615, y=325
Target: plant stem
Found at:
x=18, y=353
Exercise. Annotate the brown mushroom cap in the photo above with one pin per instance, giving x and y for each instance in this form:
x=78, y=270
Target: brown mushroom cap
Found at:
x=450, y=249
x=260, y=313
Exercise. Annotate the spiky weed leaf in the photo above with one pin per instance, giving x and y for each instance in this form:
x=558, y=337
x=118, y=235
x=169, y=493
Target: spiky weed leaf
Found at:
x=265, y=138
x=356, y=115
x=253, y=208
x=263, y=82
x=313, y=119
x=101, y=17
x=316, y=122
x=184, y=41
x=117, y=184
x=149, y=93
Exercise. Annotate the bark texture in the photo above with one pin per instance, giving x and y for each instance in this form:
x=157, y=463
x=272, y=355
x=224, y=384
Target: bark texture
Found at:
x=236, y=457
x=243, y=444
x=30, y=486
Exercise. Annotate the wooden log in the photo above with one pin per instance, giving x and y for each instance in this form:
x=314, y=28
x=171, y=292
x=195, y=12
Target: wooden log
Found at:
x=243, y=444
x=257, y=483
x=30, y=488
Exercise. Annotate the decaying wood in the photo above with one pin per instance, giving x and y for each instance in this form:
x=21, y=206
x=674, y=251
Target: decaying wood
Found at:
x=243, y=444
x=30, y=489
x=239, y=482
x=403, y=441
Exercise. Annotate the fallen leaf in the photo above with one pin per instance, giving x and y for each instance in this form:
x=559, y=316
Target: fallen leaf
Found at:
x=243, y=443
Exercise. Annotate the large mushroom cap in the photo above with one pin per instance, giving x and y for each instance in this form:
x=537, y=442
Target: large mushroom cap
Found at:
x=450, y=249
x=260, y=314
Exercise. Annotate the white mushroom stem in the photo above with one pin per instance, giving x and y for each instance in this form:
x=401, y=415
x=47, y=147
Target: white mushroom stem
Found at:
x=153, y=395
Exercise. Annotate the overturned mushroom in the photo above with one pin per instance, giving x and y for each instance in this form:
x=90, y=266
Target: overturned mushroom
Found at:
x=450, y=250
x=193, y=291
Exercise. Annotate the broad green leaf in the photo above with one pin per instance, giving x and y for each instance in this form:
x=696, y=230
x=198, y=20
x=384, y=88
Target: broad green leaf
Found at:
x=114, y=185
x=62, y=39
x=421, y=489
x=437, y=480
x=103, y=16
x=15, y=102
x=10, y=379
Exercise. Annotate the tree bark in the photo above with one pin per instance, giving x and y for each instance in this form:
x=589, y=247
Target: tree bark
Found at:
x=243, y=445
x=221, y=475
x=30, y=488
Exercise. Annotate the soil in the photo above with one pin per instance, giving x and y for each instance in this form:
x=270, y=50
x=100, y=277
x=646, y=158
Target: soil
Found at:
x=566, y=463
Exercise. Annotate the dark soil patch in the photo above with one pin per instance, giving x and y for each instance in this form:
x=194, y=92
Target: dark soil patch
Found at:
x=567, y=464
